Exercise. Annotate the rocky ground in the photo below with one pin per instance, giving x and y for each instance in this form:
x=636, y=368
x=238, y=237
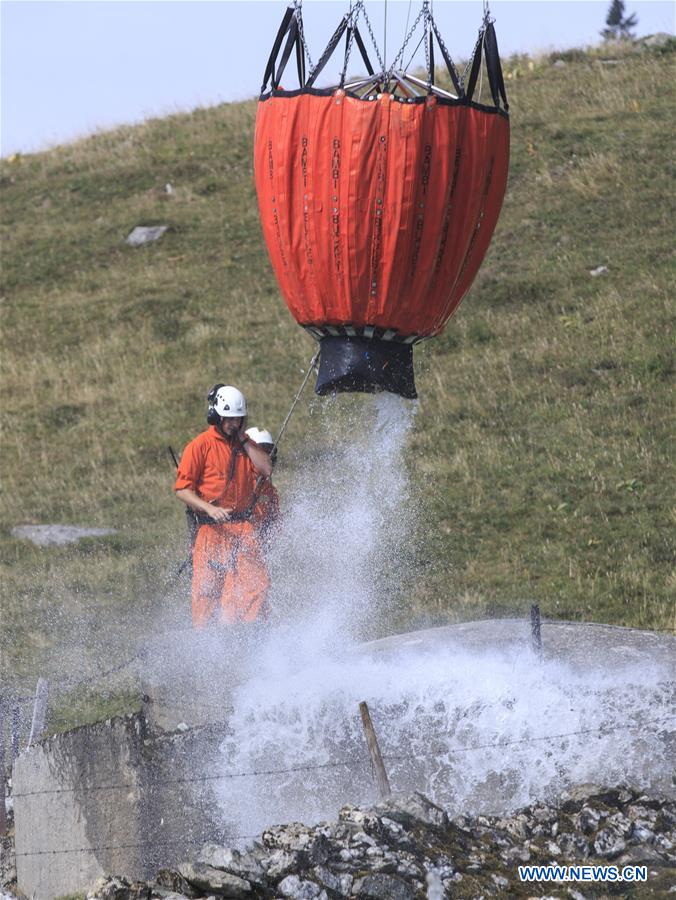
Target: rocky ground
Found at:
x=408, y=848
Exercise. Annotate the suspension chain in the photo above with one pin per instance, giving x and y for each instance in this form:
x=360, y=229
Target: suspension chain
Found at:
x=381, y=62
x=444, y=48
x=397, y=59
x=426, y=41
x=298, y=13
x=482, y=31
x=348, y=49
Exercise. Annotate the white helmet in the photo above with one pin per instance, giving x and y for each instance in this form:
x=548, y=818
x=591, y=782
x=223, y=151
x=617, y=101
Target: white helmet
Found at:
x=260, y=436
x=229, y=403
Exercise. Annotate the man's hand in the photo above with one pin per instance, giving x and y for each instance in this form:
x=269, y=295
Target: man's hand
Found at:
x=219, y=513
x=260, y=459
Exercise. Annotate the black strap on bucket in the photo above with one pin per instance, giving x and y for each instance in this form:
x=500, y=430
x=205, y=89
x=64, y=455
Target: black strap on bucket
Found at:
x=489, y=44
x=447, y=59
x=290, y=30
x=495, y=78
x=362, y=50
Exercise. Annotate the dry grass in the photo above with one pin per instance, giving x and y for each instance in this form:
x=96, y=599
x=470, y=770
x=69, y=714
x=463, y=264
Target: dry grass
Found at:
x=542, y=459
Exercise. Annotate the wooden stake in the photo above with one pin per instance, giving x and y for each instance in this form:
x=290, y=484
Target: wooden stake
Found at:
x=535, y=635
x=3, y=725
x=376, y=758
x=16, y=730
x=39, y=711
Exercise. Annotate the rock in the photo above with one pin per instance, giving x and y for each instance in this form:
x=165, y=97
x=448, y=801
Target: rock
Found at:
x=365, y=819
x=360, y=837
x=206, y=878
x=169, y=882
x=145, y=234
x=560, y=64
x=516, y=855
x=339, y=884
x=169, y=895
x=516, y=828
x=634, y=856
x=573, y=845
x=414, y=809
x=544, y=815
x=294, y=887
x=118, y=888
x=58, y=535
x=588, y=819
x=110, y=888
x=382, y=887
x=243, y=864
x=280, y=863
x=664, y=845
x=297, y=838
x=641, y=834
x=609, y=842
x=406, y=848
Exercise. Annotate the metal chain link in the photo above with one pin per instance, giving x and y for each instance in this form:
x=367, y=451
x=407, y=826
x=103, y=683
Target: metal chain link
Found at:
x=354, y=15
x=381, y=63
x=397, y=59
x=298, y=13
x=444, y=48
x=482, y=32
x=426, y=39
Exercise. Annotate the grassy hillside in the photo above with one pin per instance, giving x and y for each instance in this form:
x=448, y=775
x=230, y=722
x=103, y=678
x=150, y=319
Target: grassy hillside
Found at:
x=541, y=452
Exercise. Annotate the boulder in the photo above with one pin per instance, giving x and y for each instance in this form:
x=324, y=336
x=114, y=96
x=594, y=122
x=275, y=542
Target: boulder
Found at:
x=206, y=878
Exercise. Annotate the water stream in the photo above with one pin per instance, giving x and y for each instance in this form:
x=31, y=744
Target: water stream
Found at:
x=484, y=730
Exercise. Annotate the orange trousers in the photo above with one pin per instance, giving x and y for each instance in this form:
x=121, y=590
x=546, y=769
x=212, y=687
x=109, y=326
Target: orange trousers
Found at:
x=230, y=578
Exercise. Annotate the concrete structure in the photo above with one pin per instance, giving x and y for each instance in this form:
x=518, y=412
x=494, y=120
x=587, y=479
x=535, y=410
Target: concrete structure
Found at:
x=581, y=645
x=109, y=798
x=132, y=795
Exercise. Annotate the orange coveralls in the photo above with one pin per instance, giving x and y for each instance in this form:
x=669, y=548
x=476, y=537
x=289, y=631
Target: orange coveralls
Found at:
x=230, y=578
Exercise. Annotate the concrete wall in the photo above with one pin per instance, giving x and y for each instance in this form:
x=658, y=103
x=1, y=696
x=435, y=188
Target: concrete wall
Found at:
x=109, y=798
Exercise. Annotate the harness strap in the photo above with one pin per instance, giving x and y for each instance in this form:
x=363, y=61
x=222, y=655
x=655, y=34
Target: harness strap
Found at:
x=447, y=59
x=283, y=28
x=362, y=50
x=291, y=41
x=488, y=44
x=494, y=68
x=476, y=66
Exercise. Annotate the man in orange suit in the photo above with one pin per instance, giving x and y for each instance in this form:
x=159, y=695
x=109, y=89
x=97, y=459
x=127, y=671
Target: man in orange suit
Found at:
x=216, y=479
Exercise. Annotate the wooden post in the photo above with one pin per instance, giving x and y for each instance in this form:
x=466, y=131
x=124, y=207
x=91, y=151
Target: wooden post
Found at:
x=39, y=711
x=535, y=635
x=3, y=725
x=376, y=758
x=16, y=730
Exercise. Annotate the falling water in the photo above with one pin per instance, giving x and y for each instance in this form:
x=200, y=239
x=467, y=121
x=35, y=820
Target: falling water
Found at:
x=484, y=730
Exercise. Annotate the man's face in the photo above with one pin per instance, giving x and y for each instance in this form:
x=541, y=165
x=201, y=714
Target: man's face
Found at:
x=231, y=426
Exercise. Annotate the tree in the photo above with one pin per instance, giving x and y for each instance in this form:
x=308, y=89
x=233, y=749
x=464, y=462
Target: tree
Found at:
x=619, y=27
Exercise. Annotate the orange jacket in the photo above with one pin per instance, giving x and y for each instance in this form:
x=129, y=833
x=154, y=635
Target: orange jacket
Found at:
x=208, y=468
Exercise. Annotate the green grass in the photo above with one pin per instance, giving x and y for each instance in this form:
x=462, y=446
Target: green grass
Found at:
x=541, y=458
